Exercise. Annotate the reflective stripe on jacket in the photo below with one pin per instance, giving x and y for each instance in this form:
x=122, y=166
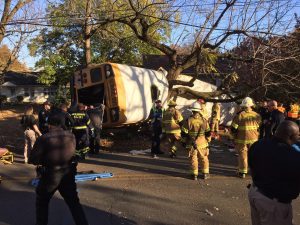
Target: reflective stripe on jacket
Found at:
x=246, y=125
x=195, y=126
x=170, y=121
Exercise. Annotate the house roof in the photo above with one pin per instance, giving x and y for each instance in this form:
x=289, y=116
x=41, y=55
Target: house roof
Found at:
x=20, y=78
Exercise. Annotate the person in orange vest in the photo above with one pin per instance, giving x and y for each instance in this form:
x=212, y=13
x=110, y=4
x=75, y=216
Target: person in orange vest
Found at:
x=171, y=125
x=293, y=112
x=245, y=129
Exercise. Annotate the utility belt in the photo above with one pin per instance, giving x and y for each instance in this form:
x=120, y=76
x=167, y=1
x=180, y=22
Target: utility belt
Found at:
x=270, y=196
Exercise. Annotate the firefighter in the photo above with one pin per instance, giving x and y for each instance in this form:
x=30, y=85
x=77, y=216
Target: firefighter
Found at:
x=81, y=125
x=245, y=129
x=198, y=136
x=171, y=125
x=215, y=119
x=156, y=119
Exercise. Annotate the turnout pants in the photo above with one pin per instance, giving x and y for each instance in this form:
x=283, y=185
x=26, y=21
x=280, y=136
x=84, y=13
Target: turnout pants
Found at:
x=242, y=150
x=63, y=180
x=173, y=142
x=266, y=211
x=215, y=126
x=199, y=156
x=82, y=142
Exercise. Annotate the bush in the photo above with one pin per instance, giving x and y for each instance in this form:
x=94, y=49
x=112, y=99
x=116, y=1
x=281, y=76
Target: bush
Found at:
x=20, y=98
x=3, y=98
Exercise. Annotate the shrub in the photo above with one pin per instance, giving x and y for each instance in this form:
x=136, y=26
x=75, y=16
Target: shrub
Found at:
x=3, y=98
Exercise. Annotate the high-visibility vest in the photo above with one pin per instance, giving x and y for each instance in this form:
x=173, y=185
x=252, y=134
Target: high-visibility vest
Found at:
x=247, y=124
x=170, y=121
x=294, y=111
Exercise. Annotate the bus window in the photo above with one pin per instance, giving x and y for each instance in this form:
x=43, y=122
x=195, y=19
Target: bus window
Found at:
x=96, y=75
x=91, y=95
x=155, y=93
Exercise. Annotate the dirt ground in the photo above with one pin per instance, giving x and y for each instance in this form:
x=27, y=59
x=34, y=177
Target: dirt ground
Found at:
x=119, y=140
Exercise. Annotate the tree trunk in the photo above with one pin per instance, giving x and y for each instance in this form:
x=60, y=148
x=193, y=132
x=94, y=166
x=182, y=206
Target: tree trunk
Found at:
x=87, y=34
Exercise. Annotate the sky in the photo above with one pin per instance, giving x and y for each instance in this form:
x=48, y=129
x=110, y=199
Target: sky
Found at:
x=192, y=14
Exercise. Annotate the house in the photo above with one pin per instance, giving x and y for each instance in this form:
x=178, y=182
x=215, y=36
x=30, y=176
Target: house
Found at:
x=205, y=84
x=25, y=84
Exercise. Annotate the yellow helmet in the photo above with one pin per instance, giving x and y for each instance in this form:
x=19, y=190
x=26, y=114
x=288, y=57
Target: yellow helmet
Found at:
x=196, y=107
x=172, y=103
x=247, y=102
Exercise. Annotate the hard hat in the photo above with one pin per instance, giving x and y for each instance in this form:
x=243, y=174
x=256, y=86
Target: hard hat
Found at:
x=247, y=102
x=172, y=103
x=196, y=107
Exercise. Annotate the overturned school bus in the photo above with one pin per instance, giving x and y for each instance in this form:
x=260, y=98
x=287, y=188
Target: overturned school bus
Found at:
x=127, y=92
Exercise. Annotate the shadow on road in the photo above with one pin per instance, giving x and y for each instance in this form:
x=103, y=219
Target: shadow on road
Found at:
x=18, y=207
x=179, y=167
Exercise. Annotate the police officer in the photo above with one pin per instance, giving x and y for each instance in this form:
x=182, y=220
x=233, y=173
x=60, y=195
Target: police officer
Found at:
x=156, y=118
x=43, y=117
x=198, y=136
x=80, y=129
x=171, y=125
x=54, y=151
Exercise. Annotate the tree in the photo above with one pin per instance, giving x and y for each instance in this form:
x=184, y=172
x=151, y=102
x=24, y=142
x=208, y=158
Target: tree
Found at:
x=215, y=24
x=15, y=29
x=8, y=13
x=64, y=45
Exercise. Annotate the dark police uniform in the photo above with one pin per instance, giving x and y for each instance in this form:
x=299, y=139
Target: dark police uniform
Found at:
x=54, y=151
x=156, y=119
x=275, y=118
x=43, y=120
x=275, y=169
x=80, y=128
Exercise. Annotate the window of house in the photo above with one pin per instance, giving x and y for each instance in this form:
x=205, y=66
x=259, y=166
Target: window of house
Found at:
x=12, y=91
x=155, y=93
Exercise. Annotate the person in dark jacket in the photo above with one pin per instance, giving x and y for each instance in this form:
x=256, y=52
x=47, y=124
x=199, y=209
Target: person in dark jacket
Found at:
x=275, y=170
x=80, y=129
x=265, y=114
x=96, y=117
x=54, y=151
x=275, y=118
x=43, y=117
x=156, y=118
x=31, y=130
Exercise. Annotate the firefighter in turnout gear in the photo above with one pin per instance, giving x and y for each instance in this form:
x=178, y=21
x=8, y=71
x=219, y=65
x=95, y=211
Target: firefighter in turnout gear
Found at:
x=215, y=119
x=171, y=126
x=198, y=137
x=245, y=128
x=81, y=131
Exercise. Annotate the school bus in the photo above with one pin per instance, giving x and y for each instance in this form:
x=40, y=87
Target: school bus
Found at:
x=127, y=92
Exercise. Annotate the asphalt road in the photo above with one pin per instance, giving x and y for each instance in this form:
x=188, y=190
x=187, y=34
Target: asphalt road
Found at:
x=143, y=191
